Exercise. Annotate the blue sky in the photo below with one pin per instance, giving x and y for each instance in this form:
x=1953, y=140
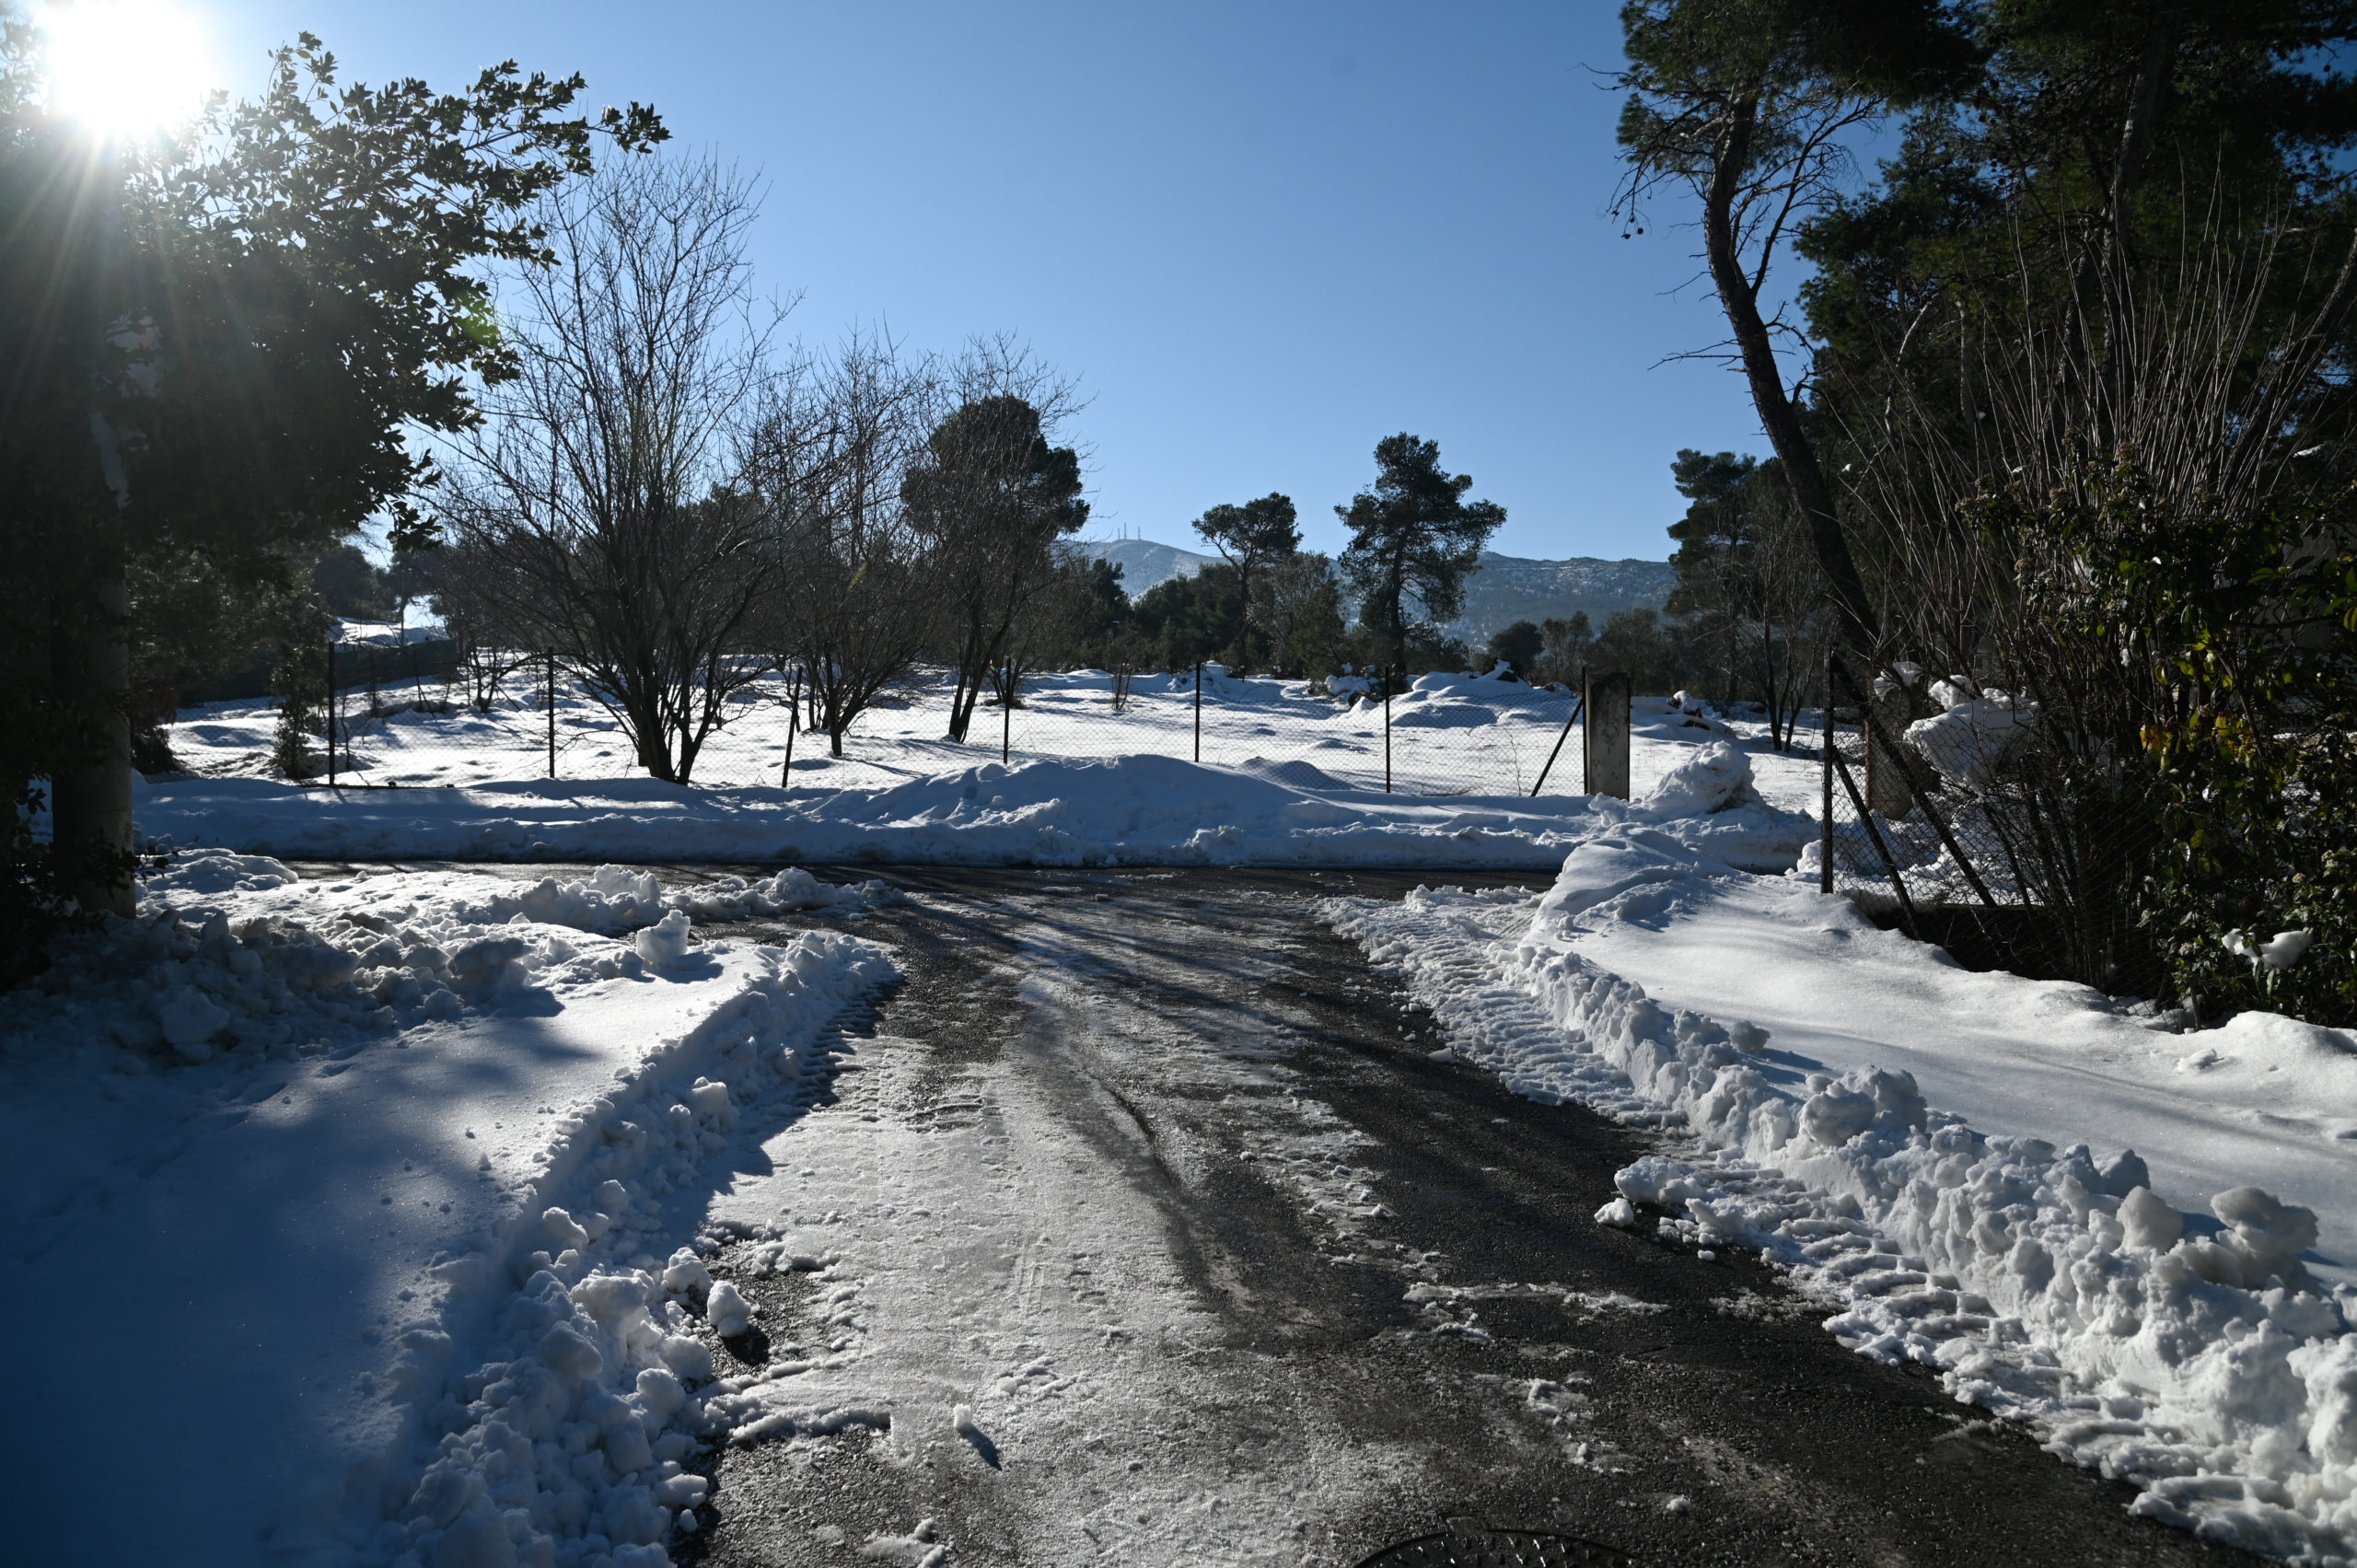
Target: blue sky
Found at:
x=1263, y=237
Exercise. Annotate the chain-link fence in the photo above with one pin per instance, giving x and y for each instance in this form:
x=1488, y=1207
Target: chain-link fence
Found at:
x=1946, y=812
x=517, y=717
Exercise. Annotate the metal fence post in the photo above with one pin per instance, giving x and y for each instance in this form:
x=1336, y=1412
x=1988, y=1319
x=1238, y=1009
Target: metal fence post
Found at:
x=793, y=728
x=1199, y=710
x=1579, y=705
x=551, y=712
x=1006, y=714
x=1825, y=833
x=1386, y=730
x=332, y=704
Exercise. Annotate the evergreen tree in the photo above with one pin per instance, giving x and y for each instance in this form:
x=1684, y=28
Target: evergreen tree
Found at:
x=1519, y=645
x=994, y=495
x=215, y=346
x=1189, y=619
x=1414, y=540
x=1250, y=538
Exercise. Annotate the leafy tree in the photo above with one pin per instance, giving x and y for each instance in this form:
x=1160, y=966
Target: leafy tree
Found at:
x=1746, y=105
x=1414, y=540
x=994, y=495
x=1747, y=588
x=1566, y=643
x=1190, y=619
x=351, y=585
x=1250, y=538
x=1519, y=645
x=1072, y=622
x=215, y=344
x=1649, y=645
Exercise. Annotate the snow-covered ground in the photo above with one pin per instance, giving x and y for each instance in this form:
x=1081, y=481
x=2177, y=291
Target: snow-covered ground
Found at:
x=1450, y=735
x=1288, y=778
x=321, y=1161
x=290, y=1167
x=2142, y=1242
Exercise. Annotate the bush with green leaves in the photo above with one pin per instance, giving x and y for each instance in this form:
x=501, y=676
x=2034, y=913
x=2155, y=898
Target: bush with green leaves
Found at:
x=2235, y=633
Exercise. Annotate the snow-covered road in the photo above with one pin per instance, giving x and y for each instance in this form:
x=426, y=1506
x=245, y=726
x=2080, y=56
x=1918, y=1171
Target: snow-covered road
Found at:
x=1146, y=1228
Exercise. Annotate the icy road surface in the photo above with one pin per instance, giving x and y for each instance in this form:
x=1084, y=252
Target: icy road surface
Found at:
x=1142, y=1228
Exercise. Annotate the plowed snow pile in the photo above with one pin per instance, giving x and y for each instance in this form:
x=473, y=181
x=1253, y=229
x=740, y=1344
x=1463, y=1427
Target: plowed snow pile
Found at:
x=346, y=1217
x=1948, y=1158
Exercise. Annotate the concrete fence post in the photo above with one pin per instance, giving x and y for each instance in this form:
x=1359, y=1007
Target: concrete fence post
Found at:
x=1606, y=702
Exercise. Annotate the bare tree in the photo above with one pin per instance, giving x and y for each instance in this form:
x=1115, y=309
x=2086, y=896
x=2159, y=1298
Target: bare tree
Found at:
x=602, y=482
x=1297, y=604
x=857, y=604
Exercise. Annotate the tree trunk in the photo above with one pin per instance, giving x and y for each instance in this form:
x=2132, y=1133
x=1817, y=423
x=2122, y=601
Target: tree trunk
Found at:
x=90, y=801
x=1778, y=416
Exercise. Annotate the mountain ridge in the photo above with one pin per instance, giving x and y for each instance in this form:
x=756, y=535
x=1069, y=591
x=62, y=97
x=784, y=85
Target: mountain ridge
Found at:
x=1503, y=591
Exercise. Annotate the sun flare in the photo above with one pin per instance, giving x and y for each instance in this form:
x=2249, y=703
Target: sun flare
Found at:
x=125, y=67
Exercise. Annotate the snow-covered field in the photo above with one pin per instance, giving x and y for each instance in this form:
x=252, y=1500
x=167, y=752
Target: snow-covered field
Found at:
x=1287, y=778
x=2143, y=1243
x=1450, y=735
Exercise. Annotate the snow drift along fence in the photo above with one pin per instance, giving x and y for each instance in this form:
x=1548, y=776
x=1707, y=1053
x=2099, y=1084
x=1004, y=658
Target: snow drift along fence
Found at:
x=530, y=717
x=1942, y=816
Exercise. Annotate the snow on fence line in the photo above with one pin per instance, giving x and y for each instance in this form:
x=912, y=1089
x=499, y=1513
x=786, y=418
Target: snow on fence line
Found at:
x=2046, y=1285
x=1439, y=733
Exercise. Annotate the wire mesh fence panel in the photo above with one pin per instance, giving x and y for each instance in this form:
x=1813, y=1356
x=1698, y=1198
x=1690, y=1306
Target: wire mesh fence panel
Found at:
x=1451, y=737
x=1943, y=801
x=520, y=717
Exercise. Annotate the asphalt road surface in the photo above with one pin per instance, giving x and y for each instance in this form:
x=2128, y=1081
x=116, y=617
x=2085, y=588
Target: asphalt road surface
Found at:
x=1142, y=1226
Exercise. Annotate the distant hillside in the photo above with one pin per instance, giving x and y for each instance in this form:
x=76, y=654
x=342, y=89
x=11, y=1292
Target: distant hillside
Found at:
x=1507, y=589
x=1510, y=588
x=1144, y=563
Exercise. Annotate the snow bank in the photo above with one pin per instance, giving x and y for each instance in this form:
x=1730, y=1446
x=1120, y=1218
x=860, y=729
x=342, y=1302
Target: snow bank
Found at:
x=563, y=1443
x=328, y=1166
x=1134, y=810
x=1968, y=741
x=2192, y=1353
x=733, y=898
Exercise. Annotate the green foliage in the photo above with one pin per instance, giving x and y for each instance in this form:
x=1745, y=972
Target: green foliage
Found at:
x=1298, y=606
x=2237, y=639
x=1187, y=620
x=351, y=585
x=1520, y=645
x=991, y=496
x=215, y=343
x=302, y=680
x=1077, y=615
x=1750, y=596
x=1564, y=646
x=1414, y=540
